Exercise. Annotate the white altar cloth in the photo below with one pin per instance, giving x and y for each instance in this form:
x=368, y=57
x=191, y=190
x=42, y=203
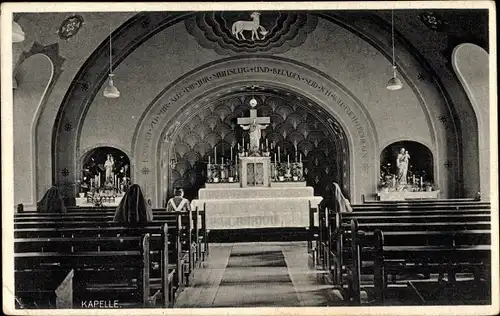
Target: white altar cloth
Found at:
x=82, y=201
x=237, y=208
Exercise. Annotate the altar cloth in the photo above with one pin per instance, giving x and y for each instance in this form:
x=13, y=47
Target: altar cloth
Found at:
x=240, y=208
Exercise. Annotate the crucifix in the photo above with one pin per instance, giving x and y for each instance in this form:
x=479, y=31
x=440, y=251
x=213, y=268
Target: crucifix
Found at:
x=254, y=124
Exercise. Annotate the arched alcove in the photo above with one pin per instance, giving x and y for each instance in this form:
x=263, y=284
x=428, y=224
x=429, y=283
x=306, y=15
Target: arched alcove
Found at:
x=296, y=127
x=93, y=162
x=471, y=65
x=421, y=161
x=34, y=76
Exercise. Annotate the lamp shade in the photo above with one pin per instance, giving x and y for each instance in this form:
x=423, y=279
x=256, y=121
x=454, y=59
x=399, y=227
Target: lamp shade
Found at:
x=17, y=33
x=111, y=92
x=394, y=84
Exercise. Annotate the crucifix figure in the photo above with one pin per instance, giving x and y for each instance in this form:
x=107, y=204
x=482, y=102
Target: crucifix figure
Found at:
x=254, y=124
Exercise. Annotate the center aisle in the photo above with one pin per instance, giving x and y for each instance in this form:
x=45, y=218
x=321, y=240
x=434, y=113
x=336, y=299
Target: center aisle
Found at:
x=273, y=274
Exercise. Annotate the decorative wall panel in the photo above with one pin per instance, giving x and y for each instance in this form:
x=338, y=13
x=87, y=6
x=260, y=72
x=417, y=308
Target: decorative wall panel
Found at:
x=294, y=124
x=230, y=33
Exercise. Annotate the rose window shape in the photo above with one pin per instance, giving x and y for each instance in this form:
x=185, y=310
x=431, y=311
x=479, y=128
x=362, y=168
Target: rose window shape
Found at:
x=70, y=27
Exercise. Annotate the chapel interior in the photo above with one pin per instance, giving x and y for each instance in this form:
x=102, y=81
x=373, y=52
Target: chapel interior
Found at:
x=330, y=158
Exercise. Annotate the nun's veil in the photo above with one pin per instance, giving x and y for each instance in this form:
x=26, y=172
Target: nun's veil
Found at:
x=51, y=202
x=133, y=207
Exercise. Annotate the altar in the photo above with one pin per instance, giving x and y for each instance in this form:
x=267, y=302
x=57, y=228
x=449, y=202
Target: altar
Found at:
x=254, y=190
x=228, y=206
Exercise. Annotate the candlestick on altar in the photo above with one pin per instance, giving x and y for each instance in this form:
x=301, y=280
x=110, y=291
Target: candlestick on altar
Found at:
x=275, y=162
x=231, y=153
x=215, y=160
x=222, y=160
x=267, y=144
x=243, y=143
x=279, y=154
x=288, y=160
x=209, y=160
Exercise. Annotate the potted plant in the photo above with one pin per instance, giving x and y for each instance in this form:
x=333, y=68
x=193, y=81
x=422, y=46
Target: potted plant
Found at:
x=428, y=186
x=281, y=172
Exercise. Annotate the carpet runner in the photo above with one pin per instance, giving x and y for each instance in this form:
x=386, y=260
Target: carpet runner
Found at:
x=256, y=278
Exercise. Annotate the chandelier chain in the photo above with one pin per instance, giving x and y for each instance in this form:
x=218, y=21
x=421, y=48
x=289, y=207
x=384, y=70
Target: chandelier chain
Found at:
x=392, y=32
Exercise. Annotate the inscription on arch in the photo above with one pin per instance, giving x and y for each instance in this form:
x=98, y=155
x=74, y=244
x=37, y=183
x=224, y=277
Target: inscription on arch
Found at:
x=238, y=71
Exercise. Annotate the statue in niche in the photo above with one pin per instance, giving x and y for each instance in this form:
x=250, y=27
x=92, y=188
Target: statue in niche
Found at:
x=108, y=166
x=402, y=162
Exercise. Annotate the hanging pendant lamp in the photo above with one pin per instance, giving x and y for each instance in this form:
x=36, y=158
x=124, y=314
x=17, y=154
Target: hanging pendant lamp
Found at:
x=394, y=83
x=17, y=33
x=111, y=92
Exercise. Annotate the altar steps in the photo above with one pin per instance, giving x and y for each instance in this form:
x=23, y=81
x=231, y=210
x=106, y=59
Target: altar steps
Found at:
x=259, y=234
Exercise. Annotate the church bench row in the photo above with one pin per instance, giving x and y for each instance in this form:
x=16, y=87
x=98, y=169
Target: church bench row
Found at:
x=91, y=228
x=93, y=239
x=394, y=216
x=421, y=206
x=336, y=246
x=381, y=254
x=191, y=226
x=199, y=230
x=125, y=272
x=425, y=201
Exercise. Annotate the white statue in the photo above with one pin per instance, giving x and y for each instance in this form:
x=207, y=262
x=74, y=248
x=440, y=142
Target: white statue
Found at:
x=254, y=26
x=402, y=163
x=108, y=166
x=255, y=135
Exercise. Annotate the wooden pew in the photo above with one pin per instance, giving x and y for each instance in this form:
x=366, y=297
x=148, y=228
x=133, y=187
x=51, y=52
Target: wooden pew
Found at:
x=44, y=289
x=162, y=246
x=452, y=200
x=412, y=252
x=182, y=222
x=198, y=231
x=420, y=232
x=115, y=263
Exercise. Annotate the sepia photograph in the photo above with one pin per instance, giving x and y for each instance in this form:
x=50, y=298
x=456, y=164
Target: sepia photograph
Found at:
x=266, y=158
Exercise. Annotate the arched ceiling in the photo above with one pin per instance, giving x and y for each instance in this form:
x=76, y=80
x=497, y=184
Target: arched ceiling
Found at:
x=432, y=34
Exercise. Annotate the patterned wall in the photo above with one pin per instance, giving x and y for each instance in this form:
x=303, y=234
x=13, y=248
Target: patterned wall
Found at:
x=319, y=139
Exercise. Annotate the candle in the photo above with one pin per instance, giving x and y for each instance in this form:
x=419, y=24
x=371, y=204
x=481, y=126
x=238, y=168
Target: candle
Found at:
x=275, y=159
x=222, y=160
x=243, y=143
x=215, y=149
x=413, y=179
x=300, y=157
x=238, y=146
x=267, y=143
x=209, y=160
x=288, y=160
x=231, y=153
x=421, y=182
x=279, y=154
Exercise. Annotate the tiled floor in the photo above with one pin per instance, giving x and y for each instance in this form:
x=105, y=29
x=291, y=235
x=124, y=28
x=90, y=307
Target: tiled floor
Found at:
x=273, y=274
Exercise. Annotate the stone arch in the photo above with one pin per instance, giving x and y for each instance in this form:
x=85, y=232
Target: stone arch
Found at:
x=35, y=76
x=165, y=115
x=471, y=65
x=191, y=148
